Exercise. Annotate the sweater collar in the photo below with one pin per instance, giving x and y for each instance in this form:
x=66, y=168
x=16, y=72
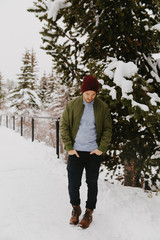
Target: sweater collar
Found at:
x=95, y=100
x=88, y=104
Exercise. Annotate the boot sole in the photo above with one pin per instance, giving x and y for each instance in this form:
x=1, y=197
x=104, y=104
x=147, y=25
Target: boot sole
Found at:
x=83, y=227
x=74, y=224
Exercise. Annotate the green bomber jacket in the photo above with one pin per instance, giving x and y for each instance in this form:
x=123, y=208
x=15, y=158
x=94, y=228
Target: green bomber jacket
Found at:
x=71, y=118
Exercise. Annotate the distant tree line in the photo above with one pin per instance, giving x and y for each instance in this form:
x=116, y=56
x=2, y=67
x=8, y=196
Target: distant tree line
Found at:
x=29, y=93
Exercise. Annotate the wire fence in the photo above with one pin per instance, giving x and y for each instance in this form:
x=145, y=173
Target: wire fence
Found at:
x=36, y=127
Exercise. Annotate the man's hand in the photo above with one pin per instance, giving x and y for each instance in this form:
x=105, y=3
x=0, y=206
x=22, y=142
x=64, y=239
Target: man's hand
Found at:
x=97, y=152
x=73, y=152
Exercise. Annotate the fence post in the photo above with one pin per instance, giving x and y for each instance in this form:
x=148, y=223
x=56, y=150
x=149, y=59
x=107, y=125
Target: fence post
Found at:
x=32, y=129
x=57, y=137
x=21, y=126
x=13, y=122
x=7, y=121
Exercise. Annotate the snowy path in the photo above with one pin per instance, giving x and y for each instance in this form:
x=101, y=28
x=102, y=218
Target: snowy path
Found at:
x=34, y=202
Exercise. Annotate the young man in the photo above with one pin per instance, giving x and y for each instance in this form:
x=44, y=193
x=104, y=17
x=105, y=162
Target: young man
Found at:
x=86, y=130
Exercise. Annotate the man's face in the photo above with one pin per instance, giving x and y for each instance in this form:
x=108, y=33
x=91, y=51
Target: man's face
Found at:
x=89, y=96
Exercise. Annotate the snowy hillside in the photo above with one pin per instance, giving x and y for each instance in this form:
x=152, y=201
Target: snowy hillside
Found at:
x=34, y=203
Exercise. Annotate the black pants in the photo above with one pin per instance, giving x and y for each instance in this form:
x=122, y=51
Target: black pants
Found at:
x=75, y=167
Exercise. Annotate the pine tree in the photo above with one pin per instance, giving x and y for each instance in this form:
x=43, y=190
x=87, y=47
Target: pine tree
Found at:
x=51, y=86
x=2, y=94
x=94, y=29
x=57, y=98
x=24, y=95
x=104, y=38
x=9, y=85
x=34, y=70
x=60, y=44
x=43, y=88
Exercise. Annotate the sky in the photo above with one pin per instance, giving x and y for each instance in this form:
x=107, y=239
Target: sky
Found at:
x=19, y=30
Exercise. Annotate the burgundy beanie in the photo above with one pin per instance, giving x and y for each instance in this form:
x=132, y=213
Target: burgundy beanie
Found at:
x=90, y=83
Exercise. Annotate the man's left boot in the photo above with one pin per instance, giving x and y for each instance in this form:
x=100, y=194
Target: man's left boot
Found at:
x=87, y=219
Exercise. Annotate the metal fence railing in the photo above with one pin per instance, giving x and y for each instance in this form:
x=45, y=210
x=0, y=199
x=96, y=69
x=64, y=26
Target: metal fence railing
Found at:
x=20, y=123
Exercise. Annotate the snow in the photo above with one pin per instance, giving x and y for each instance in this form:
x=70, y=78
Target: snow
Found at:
x=154, y=98
x=158, y=62
x=154, y=72
x=35, y=204
x=155, y=75
x=112, y=91
x=54, y=7
x=120, y=72
x=156, y=155
x=142, y=106
x=156, y=27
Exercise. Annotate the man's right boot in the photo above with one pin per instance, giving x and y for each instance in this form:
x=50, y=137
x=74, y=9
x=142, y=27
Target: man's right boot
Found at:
x=87, y=219
x=76, y=212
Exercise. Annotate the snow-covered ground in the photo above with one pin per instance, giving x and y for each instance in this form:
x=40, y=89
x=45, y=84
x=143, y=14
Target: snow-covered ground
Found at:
x=34, y=203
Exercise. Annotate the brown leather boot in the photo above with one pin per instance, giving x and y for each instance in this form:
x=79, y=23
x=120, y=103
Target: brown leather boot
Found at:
x=76, y=212
x=87, y=219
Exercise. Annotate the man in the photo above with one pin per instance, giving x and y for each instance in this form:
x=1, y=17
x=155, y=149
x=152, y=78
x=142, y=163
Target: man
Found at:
x=86, y=130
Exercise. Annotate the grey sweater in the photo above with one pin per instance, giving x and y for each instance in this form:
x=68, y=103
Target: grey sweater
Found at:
x=86, y=136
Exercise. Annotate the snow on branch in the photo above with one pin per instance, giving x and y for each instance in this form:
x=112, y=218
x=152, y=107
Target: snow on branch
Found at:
x=154, y=98
x=154, y=72
x=112, y=91
x=120, y=72
x=156, y=27
x=54, y=7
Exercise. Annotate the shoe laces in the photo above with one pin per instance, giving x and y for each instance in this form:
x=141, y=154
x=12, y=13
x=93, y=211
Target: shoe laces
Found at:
x=87, y=215
x=75, y=211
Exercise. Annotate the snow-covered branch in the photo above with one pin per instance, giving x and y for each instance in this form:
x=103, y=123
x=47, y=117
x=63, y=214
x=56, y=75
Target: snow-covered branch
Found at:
x=54, y=7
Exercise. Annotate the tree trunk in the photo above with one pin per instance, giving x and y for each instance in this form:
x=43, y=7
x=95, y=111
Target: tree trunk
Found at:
x=131, y=176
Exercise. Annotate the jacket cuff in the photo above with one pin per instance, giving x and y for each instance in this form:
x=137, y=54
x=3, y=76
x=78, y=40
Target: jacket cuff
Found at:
x=102, y=149
x=68, y=147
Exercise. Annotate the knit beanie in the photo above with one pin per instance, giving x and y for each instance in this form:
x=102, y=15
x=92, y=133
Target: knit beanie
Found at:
x=90, y=83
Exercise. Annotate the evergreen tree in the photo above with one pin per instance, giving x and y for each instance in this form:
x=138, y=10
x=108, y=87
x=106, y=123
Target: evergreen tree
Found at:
x=9, y=85
x=51, y=84
x=136, y=120
x=43, y=88
x=57, y=98
x=82, y=30
x=2, y=94
x=60, y=44
x=34, y=70
x=108, y=39
x=24, y=95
